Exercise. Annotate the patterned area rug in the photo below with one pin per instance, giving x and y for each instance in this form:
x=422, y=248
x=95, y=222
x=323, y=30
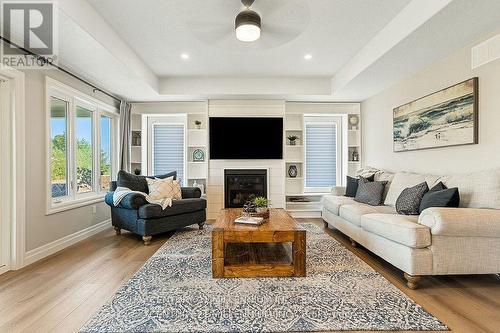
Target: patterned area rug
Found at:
x=174, y=292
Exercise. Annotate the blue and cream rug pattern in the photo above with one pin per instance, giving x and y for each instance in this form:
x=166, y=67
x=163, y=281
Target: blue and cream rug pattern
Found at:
x=174, y=292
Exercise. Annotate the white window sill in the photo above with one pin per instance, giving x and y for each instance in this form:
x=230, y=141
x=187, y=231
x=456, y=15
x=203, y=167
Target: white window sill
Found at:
x=69, y=205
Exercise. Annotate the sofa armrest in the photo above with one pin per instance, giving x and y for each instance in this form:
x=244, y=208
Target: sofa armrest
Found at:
x=465, y=222
x=130, y=201
x=190, y=192
x=338, y=190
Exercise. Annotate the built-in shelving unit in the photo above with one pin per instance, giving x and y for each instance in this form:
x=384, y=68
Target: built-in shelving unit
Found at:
x=137, y=141
x=298, y=203
x=197, y=144
x=353, y=143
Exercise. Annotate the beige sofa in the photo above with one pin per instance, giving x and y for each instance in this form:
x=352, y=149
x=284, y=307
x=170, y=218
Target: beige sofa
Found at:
x=441, y=241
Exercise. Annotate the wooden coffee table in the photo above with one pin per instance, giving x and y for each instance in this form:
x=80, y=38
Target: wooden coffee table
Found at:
x=280, y=228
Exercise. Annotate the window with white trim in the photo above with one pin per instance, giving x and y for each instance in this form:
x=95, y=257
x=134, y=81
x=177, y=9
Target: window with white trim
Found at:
x=81, y=146
x=167, y=145
x=322, y=141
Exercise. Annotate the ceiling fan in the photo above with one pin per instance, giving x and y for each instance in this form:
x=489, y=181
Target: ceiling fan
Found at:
x=247, y=23
x=260, y=24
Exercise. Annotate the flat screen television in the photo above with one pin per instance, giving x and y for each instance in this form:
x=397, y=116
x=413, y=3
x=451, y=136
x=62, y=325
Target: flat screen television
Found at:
x=246, y=138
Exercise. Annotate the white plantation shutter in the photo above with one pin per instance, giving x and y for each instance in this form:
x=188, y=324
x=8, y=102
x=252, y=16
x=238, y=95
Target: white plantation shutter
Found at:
x=168, y=149
x=321, y=155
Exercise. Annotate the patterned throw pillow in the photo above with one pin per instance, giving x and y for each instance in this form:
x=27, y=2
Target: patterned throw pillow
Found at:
x=370, y=193
x=164, y=188
x=408, y=202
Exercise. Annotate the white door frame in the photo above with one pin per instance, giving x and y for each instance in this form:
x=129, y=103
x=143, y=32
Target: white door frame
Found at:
x=15, y=169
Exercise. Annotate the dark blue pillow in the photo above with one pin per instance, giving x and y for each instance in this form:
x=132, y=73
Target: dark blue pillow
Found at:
x=440, y=196
x=352, y=185
x=138, y=183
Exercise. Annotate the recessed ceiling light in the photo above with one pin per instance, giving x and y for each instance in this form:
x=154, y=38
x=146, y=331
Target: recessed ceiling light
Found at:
x=308, y=57
x=185, y=56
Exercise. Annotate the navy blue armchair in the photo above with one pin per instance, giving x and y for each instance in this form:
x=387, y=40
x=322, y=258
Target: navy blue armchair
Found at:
x=136, y=215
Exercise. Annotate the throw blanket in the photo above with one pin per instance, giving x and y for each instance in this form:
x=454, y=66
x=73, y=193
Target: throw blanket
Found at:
x=121, y=192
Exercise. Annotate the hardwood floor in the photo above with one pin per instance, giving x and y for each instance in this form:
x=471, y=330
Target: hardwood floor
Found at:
x=60, y=293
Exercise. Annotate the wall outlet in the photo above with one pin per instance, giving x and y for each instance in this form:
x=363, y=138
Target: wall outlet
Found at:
x=94, y=209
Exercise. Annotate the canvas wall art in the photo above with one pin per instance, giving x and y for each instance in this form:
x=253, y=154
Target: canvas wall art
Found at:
x=448, y=117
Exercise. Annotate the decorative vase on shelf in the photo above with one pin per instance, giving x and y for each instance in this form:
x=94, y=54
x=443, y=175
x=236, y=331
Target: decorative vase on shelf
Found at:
x=293, y=171
x=355, y=156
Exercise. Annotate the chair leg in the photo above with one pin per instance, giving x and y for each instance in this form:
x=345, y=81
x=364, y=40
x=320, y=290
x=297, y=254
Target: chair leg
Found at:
x=147, y=239
x=412, y=280
x=201, y=225
x=118, y=231
x=353, y=242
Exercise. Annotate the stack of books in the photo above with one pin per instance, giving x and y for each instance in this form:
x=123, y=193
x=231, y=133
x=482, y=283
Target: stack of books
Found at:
x=254, y=220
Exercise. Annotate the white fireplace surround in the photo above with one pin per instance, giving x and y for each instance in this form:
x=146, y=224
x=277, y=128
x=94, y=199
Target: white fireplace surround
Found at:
x=213, y=170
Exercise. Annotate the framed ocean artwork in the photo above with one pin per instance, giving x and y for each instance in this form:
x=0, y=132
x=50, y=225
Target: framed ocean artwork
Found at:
x=445, y=118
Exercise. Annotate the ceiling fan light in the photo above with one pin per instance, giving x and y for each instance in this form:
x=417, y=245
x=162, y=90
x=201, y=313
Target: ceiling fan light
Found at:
x=248, y=33
x=247, y=26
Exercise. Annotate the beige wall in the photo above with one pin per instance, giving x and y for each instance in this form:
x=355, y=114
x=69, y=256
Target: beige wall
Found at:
x=42, y=229
x=377, y=119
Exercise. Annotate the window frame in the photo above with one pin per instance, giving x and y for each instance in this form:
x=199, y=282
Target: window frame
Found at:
x=324, y=120
x=74, y=98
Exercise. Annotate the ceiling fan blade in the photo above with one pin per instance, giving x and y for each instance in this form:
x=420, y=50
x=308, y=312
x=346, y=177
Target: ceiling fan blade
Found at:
x=210, y=33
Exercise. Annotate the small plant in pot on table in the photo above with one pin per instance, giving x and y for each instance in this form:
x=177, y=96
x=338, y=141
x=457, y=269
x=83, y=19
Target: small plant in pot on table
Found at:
x=261, y=207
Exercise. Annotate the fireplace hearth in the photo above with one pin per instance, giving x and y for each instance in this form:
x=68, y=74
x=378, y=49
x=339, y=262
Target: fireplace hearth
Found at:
x=239, y=184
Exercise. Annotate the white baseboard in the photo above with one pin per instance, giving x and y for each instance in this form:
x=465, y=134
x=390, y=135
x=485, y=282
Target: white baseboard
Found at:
x=43, y=251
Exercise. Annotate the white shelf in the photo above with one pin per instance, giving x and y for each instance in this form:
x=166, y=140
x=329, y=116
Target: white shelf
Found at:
x=354, y=162
x=296, y=178
x=294, y=129
x=294, y=146
x=306, y=194
x=294, y=162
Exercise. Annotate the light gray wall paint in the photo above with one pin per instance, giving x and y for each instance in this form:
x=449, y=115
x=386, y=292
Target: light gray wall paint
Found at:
x=377, y=119
x=42, y=229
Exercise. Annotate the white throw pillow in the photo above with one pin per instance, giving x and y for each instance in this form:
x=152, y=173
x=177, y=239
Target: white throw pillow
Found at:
x=164, y=188
x=404, y=180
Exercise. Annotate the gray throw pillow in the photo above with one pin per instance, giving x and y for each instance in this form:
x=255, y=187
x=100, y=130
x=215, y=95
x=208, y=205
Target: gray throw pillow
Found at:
x=408, y=202
x=370, y=193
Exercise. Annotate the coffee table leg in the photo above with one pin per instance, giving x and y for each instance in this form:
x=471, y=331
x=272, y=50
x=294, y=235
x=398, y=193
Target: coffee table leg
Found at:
x=299, y=253
x=218, y=253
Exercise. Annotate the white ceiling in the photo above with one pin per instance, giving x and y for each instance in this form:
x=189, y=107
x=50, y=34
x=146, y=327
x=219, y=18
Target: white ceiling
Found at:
x=359, y=47
x=330, y=30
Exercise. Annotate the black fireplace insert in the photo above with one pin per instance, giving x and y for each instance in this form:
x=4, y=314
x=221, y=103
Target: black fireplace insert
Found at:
x=240, y=184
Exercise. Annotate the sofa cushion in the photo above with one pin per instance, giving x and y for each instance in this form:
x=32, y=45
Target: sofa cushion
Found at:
x=402, y=229
x=153, y=211
x=353, y=212
x=408, y=202
x=370, y=192
x=333, y=202
x=404, y=180
x=440, y=196
x=352, y=185
x=477, y=189
x=138, y=183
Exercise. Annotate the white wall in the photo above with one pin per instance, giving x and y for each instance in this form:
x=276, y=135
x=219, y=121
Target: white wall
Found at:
x=377, y=119
x=42, y=229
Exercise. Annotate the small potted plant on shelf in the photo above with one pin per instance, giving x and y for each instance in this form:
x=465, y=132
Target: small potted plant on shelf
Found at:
x=292, y=139
x=198, y=124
